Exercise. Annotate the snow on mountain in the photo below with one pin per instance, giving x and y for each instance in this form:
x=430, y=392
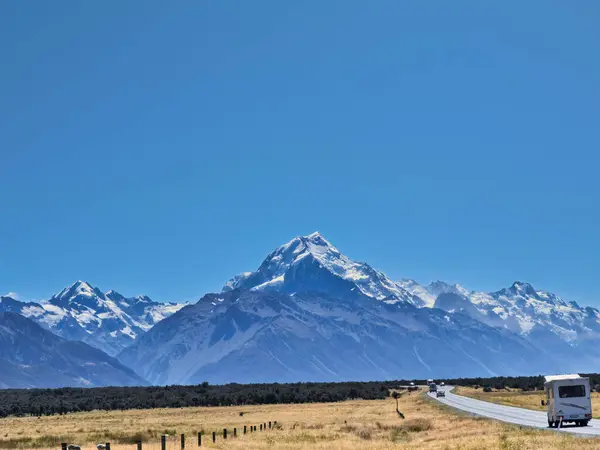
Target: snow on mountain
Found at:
x=523, y=309
x=33, y=357
x=543, y=318
x=439, y=287
x=427, y=297
x=236, y=281
x=311, y=263
x=311, y=313
x=108, y=321
x=259, y=335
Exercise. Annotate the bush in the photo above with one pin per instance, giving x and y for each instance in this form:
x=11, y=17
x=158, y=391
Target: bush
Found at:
x=415, y=425
x=398, y=435
x=487, y=389
x=365, y=434
x=348, y=429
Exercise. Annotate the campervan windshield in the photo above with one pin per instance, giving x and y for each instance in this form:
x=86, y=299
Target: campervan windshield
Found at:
x=571, y=391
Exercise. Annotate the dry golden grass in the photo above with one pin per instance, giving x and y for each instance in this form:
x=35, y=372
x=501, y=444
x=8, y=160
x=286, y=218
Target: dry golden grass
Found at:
x=513, y=397
x=329, y=426
x=518, y=398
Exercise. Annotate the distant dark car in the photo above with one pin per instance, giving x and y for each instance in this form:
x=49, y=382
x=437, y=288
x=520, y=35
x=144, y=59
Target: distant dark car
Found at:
x=440, y=394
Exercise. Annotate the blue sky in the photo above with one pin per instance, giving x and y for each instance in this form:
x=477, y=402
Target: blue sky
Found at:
x=162, y=149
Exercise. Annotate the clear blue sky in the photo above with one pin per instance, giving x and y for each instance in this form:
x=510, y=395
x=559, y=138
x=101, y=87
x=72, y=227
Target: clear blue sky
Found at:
x=162, y=147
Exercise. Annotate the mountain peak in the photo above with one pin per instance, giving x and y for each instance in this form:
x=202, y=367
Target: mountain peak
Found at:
x=114, y=295
x=313, y=243
x=316, y=234
x=316, y=238
x=143, y=299
x=311, y=263
x=441, y=287
x=523, y=287
x=79, y=288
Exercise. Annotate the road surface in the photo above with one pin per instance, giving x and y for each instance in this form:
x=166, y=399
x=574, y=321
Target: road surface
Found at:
x=510, y=414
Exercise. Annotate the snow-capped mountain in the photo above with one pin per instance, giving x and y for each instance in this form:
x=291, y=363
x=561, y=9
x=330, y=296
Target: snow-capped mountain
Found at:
x=311, y=263
x=31, y=356
x=311, y=313
x=264, y=336
x=108, y=321
x=532, y=313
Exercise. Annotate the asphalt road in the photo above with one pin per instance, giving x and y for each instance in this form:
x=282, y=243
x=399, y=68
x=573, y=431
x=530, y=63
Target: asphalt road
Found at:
x=510, y=414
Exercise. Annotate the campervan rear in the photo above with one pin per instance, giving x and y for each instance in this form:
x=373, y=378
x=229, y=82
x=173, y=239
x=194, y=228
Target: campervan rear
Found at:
x=568, y=400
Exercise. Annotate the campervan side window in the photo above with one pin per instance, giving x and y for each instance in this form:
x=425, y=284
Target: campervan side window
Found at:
x=571, y=391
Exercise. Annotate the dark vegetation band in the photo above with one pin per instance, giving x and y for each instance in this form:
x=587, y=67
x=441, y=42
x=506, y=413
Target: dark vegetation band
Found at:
x=19, y=402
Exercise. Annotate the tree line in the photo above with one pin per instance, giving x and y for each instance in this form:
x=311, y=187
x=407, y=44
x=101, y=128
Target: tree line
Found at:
x=526, y=383
x=20, y=402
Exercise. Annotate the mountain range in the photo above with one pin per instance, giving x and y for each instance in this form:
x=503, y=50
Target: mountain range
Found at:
x=310, y=313
x=107, y=321
x=31, y=356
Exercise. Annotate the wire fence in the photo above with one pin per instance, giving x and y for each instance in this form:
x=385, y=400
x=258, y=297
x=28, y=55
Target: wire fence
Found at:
x=182, y=441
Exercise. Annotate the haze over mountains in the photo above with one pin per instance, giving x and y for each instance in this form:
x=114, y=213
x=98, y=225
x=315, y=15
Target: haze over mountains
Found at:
x=107, y=321
x=31, y=356
x=310, y=313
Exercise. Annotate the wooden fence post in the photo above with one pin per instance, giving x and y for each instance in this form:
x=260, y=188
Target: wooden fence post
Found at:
x=199, y=438
x=182, y=441
x=139, y=445
x=163, y=442
x=224, y=433
x=235, y=432
x=108, y=446
x=214, y=436
x=244, y=429
x=261, y=427
x=63, y=446
x=269, y=424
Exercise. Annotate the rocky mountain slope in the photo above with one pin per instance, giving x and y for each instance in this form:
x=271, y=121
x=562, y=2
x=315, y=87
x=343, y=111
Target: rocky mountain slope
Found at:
x=311, y=313
x=311, y=263
x=107, y=321
x=258, y=336
x=31, y=356
x=541, y=317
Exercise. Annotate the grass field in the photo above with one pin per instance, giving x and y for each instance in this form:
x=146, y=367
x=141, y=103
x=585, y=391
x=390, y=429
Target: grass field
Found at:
x=331, y=426
x=518, y=398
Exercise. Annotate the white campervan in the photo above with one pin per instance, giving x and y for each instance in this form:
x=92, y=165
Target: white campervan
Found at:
x=568, y=400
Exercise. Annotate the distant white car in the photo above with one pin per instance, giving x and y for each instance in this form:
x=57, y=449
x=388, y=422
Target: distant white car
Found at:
x=440, y=394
